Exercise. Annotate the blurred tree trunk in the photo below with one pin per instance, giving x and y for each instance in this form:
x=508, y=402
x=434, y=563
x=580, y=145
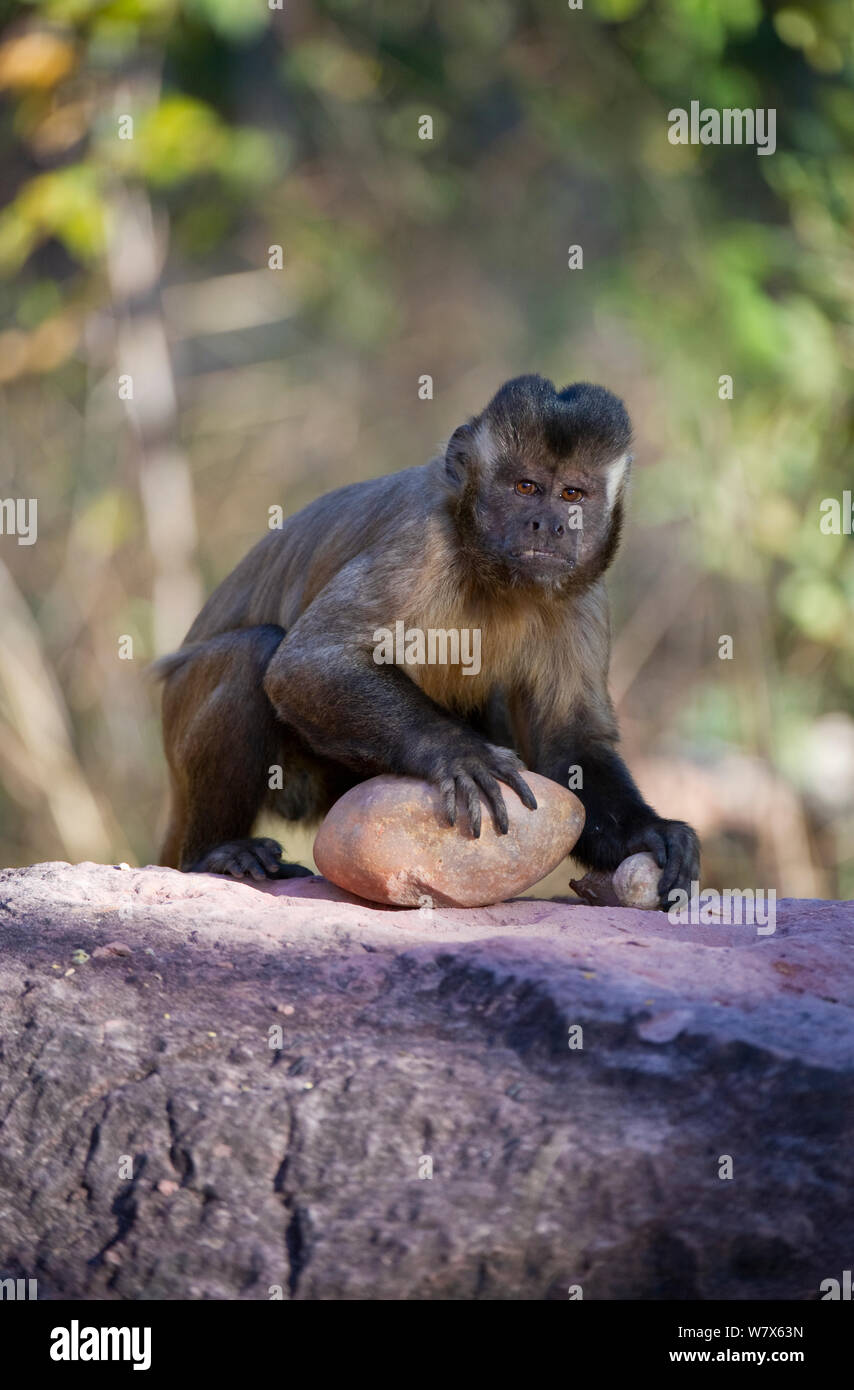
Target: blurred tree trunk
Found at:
x=134, y=263
x=36, y=747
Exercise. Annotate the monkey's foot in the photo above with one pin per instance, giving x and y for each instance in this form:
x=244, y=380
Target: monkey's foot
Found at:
x=258, y=858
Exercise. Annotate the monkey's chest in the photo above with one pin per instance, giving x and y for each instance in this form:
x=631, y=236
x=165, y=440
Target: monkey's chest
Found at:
x=460, y=664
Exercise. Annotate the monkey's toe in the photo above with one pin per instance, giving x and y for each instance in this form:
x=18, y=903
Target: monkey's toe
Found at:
x=286, y=870
x=258, y=858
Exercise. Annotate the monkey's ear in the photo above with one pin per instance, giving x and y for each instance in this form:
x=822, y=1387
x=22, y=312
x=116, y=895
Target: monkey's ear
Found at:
x=458, y=453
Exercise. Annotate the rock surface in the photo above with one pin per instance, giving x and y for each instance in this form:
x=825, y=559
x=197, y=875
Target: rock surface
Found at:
x=410, y=1036
x=387, y=840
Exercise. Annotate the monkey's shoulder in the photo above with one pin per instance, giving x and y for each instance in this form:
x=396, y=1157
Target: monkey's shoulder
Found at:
x=391, y=497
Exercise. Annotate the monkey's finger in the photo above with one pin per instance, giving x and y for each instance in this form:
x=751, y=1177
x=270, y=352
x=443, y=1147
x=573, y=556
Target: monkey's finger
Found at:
x=246, y=863
x=492, y=791
x=692, y=856
x=471, y=798
x=671, y=879
x=680, y=883
x=671, y=874
x=652, y=842
x=522, y=790
x=683, y=862
x=448, y=793
x=291, y=871
x=270, y=855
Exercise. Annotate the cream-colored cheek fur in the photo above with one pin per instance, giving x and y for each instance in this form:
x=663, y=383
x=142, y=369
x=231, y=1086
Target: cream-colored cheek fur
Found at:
x=615, y=479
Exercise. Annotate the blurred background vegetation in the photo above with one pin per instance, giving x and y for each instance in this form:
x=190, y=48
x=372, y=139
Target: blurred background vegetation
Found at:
x=255, y=126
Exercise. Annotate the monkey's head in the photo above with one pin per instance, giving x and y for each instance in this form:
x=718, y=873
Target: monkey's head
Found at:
x=537, y=483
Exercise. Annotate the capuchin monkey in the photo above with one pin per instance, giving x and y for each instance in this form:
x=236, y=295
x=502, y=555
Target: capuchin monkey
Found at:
x=509, y=532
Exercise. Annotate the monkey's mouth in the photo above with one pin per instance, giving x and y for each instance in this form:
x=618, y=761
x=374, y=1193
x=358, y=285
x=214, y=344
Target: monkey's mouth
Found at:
x=553, y=557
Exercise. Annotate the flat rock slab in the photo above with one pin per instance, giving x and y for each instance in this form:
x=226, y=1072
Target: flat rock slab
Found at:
x=154, y=1144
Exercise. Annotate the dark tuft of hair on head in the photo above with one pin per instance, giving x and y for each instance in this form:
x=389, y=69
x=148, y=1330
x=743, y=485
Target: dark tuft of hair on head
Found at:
x=599, y=411
x=577, y=412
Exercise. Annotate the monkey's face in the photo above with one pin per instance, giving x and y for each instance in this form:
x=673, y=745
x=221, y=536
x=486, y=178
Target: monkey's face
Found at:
x=542, y=478
x=550, y=521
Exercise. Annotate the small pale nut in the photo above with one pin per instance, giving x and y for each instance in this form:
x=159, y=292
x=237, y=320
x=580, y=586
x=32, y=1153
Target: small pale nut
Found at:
x=636, y=881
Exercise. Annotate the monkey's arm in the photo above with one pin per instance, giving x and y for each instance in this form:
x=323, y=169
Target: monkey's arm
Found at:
x=618, y=820
x=323, y=681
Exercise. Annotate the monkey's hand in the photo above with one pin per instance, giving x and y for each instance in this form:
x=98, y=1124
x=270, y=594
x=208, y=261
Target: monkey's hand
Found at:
x=675, y=848
x=619, y=823
x=462, y=773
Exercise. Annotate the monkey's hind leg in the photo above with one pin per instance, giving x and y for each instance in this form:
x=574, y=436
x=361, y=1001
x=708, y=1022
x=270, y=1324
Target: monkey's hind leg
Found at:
x=222, y=737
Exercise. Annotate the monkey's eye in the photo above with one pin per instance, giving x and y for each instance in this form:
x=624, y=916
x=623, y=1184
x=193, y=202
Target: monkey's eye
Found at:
x=526, y=488
x=572, y=494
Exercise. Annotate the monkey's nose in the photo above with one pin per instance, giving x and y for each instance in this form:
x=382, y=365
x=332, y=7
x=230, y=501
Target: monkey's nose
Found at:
x=557, y=529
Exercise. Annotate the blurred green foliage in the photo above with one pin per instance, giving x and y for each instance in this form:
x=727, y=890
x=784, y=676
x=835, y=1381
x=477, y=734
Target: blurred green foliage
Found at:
x=298, y=126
